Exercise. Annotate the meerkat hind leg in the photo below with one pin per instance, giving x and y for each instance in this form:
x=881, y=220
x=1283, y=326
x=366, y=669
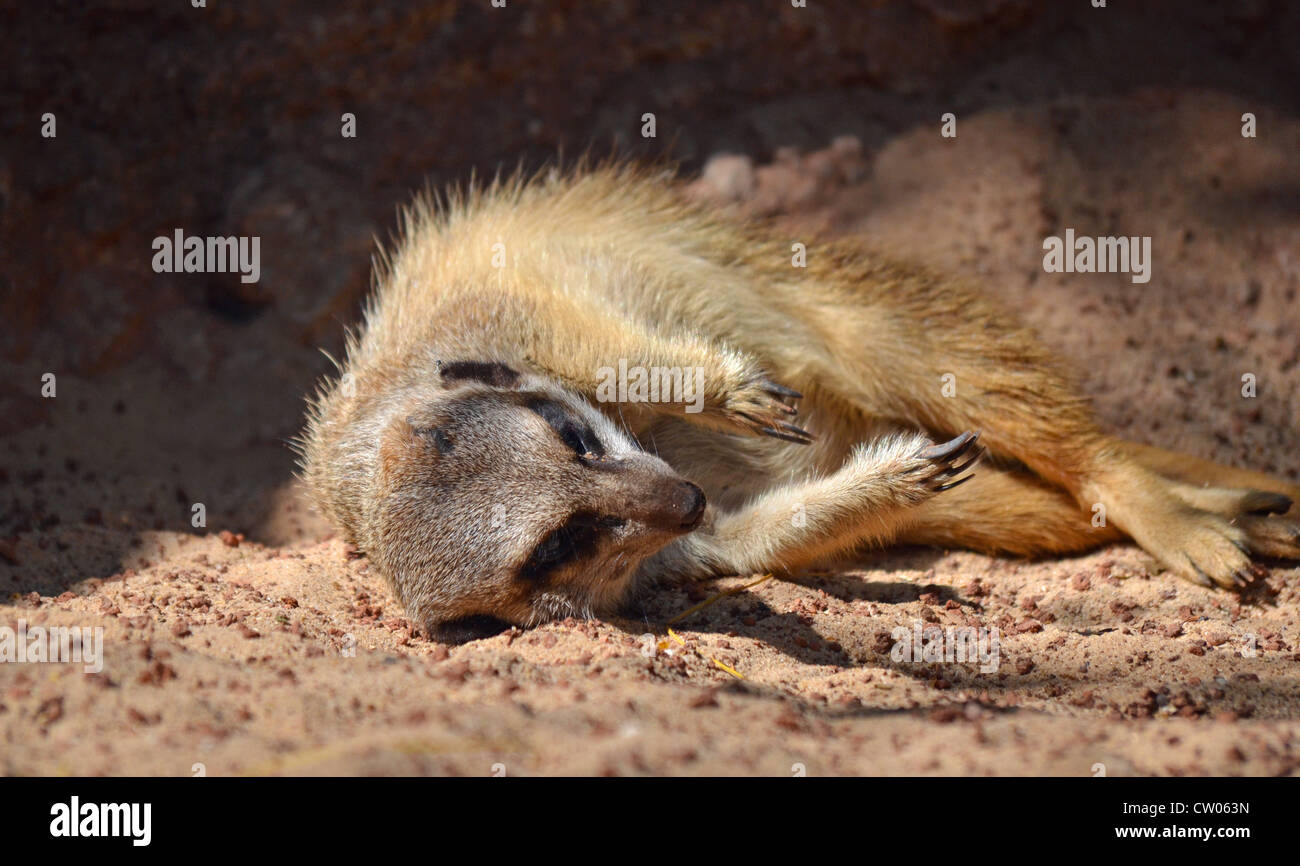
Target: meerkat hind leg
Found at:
x=1202, y=519
x=1006, y=384
x=1215, y=487
x=1008, y=510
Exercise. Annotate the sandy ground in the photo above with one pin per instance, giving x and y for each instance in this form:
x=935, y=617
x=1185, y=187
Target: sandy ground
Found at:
x=283, y=652
x=258, y=644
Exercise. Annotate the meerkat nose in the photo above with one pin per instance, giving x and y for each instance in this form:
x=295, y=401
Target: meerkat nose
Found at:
x=691, y=502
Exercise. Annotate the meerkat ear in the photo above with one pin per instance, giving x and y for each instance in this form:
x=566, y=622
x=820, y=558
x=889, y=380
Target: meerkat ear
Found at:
x=492, y=373
x=467, y=628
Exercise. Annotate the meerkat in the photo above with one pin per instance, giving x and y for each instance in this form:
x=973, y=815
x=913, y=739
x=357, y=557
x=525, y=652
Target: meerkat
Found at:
x=470, y=445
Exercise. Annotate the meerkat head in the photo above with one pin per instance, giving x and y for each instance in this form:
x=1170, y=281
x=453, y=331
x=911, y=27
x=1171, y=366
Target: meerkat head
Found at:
x=503, y=498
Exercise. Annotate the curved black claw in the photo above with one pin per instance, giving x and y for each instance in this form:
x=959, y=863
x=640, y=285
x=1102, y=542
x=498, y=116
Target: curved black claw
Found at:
x=951, y=484
x=957, y=469
x=951, y=459
x=1201, y=577
x=761, y=403
x=951, y=449
x=780, y=390
x=789, y=433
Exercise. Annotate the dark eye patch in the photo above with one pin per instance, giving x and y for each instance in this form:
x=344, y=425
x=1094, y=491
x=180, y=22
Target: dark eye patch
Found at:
x=467, y=628
x=571, y=430
x=488, y=372
x=575, y=540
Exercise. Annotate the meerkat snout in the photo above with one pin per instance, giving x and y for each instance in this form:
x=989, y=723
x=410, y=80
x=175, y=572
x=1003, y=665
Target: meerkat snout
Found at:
x=689, y=502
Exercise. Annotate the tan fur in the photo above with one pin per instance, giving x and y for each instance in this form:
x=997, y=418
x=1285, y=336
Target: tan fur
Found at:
x=612, y=263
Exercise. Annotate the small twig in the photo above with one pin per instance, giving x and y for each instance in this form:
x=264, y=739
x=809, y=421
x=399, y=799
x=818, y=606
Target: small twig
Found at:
x=708, y=601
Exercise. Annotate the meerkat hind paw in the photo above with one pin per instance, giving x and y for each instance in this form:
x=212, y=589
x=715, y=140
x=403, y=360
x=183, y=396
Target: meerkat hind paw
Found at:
x=1270, y=535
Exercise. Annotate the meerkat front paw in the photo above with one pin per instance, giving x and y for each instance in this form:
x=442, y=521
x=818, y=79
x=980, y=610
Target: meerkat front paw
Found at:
x=908, y=469
x=943, y=464
x=762, y=406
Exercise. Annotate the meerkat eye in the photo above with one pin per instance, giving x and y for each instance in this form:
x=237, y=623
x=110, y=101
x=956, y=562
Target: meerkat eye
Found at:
x=572, y=431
